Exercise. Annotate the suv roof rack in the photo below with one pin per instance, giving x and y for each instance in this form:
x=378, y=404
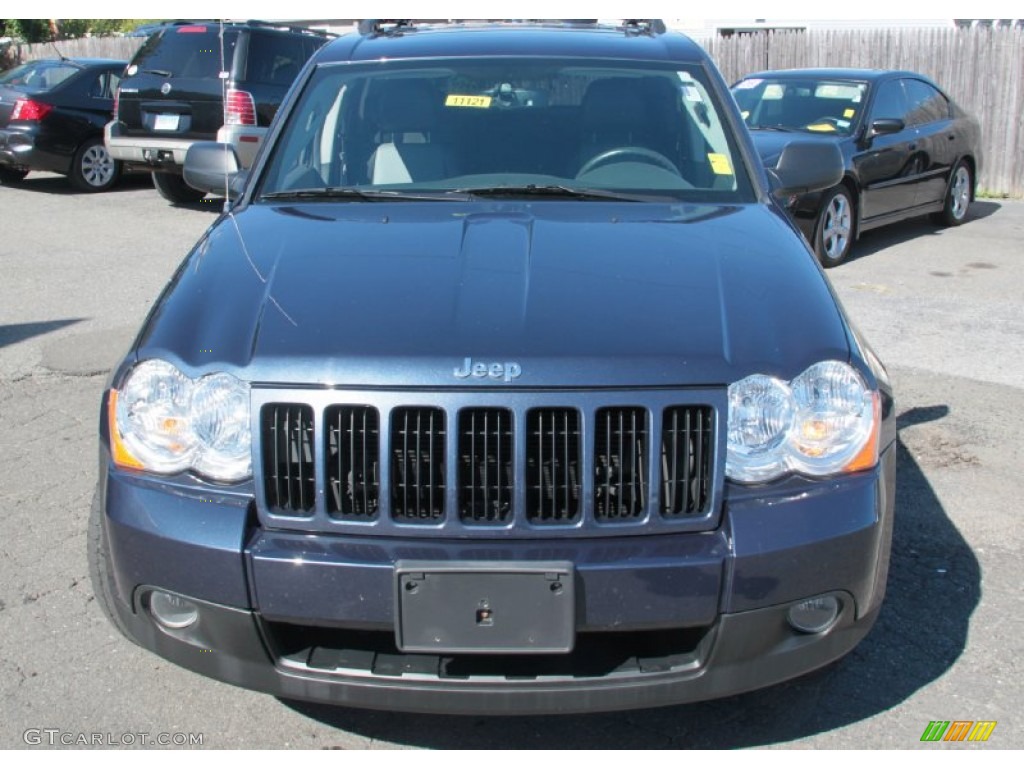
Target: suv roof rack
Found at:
x=373, y=27
x=370, y=27
x=288, y=28
x=644, y=26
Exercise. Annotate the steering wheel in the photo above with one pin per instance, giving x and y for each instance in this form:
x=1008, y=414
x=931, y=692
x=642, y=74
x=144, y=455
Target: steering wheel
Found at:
x=642, y=153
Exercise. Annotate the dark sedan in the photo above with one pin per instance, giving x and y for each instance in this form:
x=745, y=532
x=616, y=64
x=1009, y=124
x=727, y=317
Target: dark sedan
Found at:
x=52, y=113
x=909, y=149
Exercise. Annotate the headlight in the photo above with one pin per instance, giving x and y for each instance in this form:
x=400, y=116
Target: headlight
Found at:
x=220, y=414
x=153, y=417
x=824, y=422
x=165, y=422
x=760, y=420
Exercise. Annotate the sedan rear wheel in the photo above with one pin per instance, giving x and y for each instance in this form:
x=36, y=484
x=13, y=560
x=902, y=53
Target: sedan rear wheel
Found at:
x=833, y=235
x=958, y=196
x=93, y=169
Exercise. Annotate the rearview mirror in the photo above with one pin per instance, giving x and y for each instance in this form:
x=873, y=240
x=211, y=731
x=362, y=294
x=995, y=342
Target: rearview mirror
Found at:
x=214, y=167
x=807, y=166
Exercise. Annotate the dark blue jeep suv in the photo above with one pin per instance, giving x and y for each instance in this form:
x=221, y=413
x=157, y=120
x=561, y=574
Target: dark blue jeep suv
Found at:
x=502, y=385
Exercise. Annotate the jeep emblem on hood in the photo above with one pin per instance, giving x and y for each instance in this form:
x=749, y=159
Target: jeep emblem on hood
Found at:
x=506, y=371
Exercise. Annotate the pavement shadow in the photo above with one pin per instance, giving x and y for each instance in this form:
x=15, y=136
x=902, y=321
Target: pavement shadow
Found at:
x=934, y=586
x=876, y=240
x=15, y=332
x=54, y=184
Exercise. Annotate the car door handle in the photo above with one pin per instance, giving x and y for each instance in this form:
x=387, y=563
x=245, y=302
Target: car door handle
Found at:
x=913, y=147
x=951, y=137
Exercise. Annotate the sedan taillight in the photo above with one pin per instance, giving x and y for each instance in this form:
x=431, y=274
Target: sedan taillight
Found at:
x=30, y=110
x=239, y=108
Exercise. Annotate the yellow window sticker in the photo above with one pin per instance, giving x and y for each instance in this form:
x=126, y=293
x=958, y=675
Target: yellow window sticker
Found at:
x=720, y=164
x=822, y=128
x=457, y=100
x=849, y=112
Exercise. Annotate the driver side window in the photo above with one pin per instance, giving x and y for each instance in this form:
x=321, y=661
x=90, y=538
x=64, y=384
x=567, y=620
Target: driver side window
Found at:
x=890, y=102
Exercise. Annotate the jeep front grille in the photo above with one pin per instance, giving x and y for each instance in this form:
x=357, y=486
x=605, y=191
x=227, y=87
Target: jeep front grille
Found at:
x=685, y=450
x=472, y=463
x=417, y=465
x=353, y=461
x=620, y=488
x=288, y=471
x=553, y=465
x=486, y=468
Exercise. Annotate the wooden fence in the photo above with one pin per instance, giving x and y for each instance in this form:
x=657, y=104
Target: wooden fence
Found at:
x=982, y=69
x=97, y=47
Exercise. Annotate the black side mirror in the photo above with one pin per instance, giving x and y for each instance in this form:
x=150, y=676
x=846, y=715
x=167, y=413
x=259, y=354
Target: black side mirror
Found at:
x=807, y=166
x=886, y=125
x=214, y=167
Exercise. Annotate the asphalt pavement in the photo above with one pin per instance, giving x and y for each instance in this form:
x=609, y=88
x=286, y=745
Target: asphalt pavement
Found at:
x=942, y=308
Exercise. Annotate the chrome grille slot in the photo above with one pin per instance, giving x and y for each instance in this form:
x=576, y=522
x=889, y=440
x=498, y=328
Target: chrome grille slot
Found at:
x=289, y=471
x=486, y=465
x=685, y=460
x=418, y=465
x=620, y=464
x=352, y=461
x=553, y=474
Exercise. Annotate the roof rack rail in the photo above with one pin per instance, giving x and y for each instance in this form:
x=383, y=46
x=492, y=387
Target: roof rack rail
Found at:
x=289, y=28
x=370, y=27
x=374, y=27
x=645, y=26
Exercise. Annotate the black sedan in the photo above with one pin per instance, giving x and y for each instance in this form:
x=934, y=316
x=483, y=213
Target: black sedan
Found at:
x=908, y=148
x=52, y=113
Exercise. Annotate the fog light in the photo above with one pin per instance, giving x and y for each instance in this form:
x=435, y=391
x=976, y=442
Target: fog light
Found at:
x=814, y=615
x=172, y=611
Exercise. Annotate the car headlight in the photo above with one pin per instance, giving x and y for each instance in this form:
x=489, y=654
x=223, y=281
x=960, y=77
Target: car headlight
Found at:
x=824, y=422
x=163, y=421
x=220, y=407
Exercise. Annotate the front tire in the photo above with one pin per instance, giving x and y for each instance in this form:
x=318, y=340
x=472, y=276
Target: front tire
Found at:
x=93, y=169
x=958, y=197
x=833, y=233
x=173, y=189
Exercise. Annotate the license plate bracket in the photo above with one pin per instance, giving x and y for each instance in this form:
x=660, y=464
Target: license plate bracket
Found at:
x=165, y=122
x=485, y=607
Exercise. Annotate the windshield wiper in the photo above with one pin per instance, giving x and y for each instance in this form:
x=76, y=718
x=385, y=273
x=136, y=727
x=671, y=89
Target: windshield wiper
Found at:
x=355, y=193
x=782, y=128
x=561, y=191
x=161, y=72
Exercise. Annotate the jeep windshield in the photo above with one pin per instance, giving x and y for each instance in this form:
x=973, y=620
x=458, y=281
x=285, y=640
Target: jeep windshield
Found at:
x=506, y=128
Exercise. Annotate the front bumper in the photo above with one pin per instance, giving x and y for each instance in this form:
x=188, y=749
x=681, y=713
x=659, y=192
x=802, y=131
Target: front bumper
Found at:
x=304, y=616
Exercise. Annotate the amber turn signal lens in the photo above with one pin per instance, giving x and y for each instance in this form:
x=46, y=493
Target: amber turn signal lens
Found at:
x=118, y=451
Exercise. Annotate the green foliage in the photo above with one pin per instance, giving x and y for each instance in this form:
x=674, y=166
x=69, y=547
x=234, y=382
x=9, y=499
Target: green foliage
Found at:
x=39, y=30
x=29, y=30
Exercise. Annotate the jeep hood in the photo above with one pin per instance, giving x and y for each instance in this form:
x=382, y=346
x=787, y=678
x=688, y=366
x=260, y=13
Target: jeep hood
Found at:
x=573, y=294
